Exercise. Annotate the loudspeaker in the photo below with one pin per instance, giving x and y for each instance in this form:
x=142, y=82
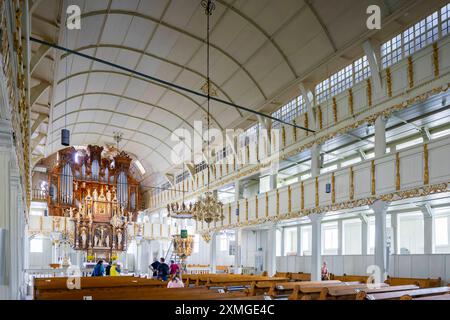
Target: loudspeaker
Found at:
x=328, y=188
x=65, y=137
x=3, y=279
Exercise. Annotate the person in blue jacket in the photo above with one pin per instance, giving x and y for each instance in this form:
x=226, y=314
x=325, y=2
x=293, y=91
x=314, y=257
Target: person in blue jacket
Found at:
x=99, y=270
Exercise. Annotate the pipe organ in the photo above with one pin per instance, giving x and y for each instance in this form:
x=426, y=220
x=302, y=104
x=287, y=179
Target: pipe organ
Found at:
x=99, y=194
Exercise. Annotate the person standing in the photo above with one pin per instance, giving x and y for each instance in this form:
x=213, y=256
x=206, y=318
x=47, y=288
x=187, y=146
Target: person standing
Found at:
x=163, y=270
x=154, y=267
x=99, y=270
x=174, y=268
x=324, y=272
x=108, y=269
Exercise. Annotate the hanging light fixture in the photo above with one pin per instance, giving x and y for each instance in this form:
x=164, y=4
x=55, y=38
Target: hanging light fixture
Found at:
x=65, y=133
x=208, y=208
x=180, y=211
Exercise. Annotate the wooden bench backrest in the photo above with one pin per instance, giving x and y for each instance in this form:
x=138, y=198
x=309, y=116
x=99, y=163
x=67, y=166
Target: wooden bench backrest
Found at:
x=301, y=276
x=423, y=283
x=410, y=293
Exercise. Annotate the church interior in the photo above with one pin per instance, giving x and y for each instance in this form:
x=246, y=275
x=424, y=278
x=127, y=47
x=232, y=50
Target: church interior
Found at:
x=224, y=150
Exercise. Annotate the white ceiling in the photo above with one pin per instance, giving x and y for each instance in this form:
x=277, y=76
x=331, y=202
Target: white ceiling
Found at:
x=260, y=48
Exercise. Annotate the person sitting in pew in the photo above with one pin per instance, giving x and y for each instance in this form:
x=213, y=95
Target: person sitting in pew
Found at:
x=325, y=274
x=175, y=282
x=99, y=270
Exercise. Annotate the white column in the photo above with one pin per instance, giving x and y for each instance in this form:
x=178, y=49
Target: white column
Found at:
x=299, y=239
x=380, y=136
x=213, y=252
x=238, y=255
x=272, y=250
x=315, y=160
x=273, y=181
x=238, y=190
x=380, y=208
x=137, y=267
x=340, y=238
x=4, y=221
x=364, y=234
x=428, y=229
x=394, y=226
x=308, y=98
x=316, y=246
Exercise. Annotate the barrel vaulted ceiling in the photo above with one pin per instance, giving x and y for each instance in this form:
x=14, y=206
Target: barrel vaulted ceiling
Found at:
x=261, y=50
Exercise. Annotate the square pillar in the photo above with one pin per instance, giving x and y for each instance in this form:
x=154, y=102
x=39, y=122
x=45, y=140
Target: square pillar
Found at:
x=316, y=246
x=380, y=136
x=213, y=253
x=380, y=208
x=272, y=251
x=364, y=234
x=315, y=160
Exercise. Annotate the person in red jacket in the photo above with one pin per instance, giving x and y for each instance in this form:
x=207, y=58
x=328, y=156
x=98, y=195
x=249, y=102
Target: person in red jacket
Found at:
x=174, y=268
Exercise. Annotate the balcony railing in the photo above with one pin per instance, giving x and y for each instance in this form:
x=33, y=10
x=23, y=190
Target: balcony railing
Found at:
x=39, y=194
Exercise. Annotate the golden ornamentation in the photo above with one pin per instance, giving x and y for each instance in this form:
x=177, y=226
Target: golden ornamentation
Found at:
x=436, y=59
x=302, y=196
x=283, y=136
x=350, y=101
x=239, y=212
x=289, y=199
x=317, y=191
x=397, y=171
x=229, y=212
x=389, y=82
x=278, y=202
x=410, y=72
x=335, y=115
x=372, y=177
x=426, y=176
x=333, y=189
x=267, y=204
x=246, y=209
x=412, y=193
x=256, y=207
x=352, y=186
x=221, y=169
x=319, y=114
x=248, y=153
x=206, y=237
x=306, y=123
x=294, y=130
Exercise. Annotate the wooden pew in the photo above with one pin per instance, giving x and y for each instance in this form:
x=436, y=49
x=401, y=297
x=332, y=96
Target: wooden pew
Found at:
x=405, y=294
x=343, y=293
x=438, y=297
x=319, y=291
x=286, y=288
x=140, y=293
x=300, y=276
x=422, y=283
x=349, y=278
x=231, y=280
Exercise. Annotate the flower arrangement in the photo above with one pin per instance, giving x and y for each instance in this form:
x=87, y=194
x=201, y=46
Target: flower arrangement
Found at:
x=114, y=257
x=90, y=258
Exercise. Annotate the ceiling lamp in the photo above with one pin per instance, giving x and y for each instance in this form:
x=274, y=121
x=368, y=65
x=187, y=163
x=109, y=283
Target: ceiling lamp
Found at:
x=208, y=208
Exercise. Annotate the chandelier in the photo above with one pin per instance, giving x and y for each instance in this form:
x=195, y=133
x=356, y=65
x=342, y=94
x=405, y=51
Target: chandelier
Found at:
x=208, y=208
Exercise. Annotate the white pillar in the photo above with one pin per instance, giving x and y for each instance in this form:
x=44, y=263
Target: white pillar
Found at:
x=137, y=267
x=380, y=136
x=299, y=239
x=340, y=238
x=364, y=235
x=316, y=246
x=428, y=229
x=238, y=242
x=394, y=226
x=238, y=190
x=272, y=250
x=213, y=252
x=4, y=221
x=380, y=208
x=315, y=160
x=273, y=181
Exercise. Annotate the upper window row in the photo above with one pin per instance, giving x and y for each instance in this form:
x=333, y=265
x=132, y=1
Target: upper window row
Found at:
x=289, y=111
x=416, y=37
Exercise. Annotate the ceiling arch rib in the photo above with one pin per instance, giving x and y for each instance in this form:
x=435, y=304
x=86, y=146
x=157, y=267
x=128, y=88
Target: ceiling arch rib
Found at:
x=268, y=37
x=193, y=36
x=142, y=79
x=322, y=24
x=155, y=57
x=124, y=97
x=118, y=127
x=109, y=136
